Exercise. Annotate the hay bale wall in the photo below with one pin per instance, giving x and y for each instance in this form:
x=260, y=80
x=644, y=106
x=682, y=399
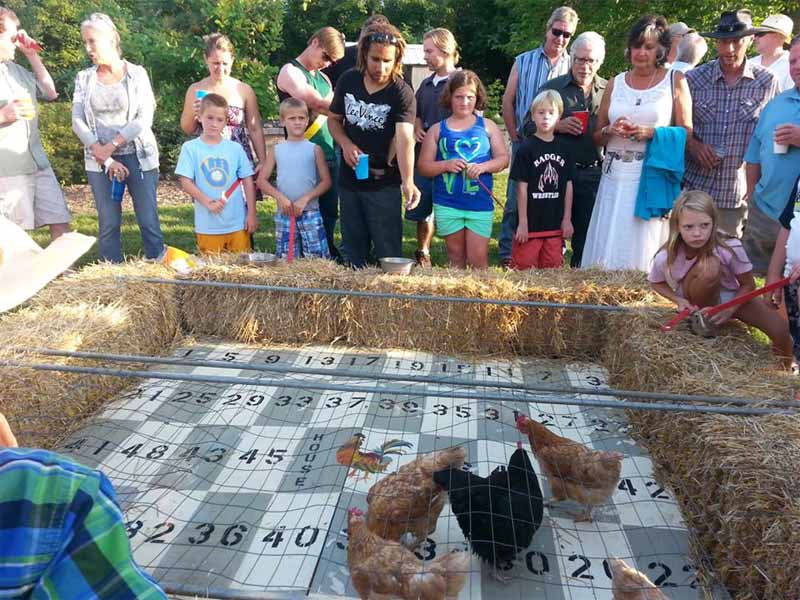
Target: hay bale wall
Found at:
x=736, y=478
x=89, y=311
x=447, y=327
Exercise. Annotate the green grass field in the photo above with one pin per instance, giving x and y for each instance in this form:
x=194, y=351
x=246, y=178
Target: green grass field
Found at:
x=177, y=224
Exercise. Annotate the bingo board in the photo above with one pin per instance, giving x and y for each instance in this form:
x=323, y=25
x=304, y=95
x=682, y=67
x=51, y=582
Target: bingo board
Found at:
x=240, y=491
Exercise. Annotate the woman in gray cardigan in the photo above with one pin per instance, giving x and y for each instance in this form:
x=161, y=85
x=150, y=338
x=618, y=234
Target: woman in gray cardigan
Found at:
x=112, y=114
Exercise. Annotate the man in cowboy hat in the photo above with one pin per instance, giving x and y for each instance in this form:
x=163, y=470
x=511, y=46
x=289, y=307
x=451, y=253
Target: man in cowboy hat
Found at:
x=772, y=37
x=727, y=97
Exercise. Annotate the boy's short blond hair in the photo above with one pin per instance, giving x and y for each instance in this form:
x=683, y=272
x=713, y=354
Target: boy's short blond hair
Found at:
x=291, y=103
x=549, y=97
x=213, y=100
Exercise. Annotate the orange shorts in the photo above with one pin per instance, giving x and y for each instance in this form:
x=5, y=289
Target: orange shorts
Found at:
x=541, y=251
x=238, y=241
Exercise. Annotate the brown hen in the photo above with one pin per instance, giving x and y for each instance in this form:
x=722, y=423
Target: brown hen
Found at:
x=385, y=569
x=404, y=506
x=589, y=477
x=630, y=584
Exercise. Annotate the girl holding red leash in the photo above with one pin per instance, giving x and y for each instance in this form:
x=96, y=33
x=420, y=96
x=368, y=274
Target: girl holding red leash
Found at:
x=699, y=267
x=461, y=153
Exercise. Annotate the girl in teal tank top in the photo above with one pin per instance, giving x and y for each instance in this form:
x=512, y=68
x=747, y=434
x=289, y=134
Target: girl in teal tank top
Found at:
x=458, y=153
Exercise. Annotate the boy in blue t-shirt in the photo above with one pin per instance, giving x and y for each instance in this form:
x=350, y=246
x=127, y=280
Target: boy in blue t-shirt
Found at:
x=207, y=167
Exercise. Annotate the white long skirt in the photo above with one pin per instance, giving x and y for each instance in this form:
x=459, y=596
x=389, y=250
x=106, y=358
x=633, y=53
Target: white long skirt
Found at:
x=616, y=239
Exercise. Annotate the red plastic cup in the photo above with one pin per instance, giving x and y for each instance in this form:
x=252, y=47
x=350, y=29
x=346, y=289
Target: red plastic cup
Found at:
x=583, y=117
x=28, y=42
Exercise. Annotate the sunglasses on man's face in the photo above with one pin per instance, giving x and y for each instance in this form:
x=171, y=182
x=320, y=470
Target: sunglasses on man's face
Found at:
x=561, y=33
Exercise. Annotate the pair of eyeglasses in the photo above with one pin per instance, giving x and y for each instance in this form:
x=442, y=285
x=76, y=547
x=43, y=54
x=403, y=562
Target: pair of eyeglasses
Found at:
x=561, y=33
x=761, y=34
x=383, y=38
x=584, y=61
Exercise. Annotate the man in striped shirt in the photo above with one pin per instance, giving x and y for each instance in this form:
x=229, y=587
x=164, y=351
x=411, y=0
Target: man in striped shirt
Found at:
x=531, y=69
x=62, y=534
x=728, y=95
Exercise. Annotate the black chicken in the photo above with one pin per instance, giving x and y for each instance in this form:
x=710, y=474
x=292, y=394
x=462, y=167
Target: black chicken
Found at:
x=500, y=514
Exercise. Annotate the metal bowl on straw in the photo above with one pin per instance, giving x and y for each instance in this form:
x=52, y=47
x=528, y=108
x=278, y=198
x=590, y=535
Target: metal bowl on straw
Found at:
x=260, y=258
x=396, y=265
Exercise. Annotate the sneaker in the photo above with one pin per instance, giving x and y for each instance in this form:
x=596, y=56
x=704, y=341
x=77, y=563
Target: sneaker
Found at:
x=505, y=263
x=423, y=259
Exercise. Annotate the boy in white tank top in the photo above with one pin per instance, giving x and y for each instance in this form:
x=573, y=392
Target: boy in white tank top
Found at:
x=302, y=176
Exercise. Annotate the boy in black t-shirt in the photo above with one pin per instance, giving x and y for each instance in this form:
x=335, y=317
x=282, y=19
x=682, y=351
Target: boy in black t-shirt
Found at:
x=543, y=170
x=372, y=106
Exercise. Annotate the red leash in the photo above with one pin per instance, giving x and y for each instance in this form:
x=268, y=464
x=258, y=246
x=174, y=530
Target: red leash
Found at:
x=292, y=228
x=726, y=305
x=488, y=191
x=229, y=192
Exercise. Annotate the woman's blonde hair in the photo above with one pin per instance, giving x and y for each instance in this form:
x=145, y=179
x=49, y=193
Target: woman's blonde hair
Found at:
x=331, y=42
x=216, y=41
x=387, y=35
x=102, y=22
x=445, y=41
x=700, y=202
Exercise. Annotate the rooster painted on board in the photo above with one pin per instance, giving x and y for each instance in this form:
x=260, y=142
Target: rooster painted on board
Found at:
x=350, y=455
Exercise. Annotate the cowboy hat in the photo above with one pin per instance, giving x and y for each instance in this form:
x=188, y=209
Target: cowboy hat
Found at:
x=732, y=24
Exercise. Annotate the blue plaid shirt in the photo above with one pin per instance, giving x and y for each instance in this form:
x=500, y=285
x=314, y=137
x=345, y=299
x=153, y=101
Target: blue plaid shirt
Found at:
x=62, y=534
x=533, y=69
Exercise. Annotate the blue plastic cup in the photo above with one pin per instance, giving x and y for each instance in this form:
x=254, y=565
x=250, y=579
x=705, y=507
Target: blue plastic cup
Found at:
x=200, y=94
x=117, y=189
x=362, y=166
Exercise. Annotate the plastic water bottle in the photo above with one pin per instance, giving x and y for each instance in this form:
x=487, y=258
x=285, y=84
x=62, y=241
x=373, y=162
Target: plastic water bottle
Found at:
x=117, y=189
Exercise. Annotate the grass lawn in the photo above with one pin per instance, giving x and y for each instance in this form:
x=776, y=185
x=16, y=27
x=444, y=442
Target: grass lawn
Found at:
x=177, y=223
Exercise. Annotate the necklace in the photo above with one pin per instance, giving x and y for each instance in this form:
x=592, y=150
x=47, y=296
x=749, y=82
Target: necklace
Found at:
x=649, y=85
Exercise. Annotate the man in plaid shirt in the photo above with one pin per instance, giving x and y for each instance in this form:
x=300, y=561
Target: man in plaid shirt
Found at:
x=728, y=95
x=61, y=531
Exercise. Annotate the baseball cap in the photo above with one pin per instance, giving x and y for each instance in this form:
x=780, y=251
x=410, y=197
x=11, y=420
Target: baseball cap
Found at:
x=679, y=28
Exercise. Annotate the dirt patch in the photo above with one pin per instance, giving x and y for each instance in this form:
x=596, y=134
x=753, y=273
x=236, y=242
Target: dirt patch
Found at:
x=80, y=199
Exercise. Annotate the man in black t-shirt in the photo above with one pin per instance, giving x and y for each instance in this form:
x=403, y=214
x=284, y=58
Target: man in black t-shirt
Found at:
x=373, y=106
x=543, y=169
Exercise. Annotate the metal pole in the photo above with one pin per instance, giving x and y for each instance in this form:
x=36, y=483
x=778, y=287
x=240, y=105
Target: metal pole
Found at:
x=353, y=374
x=382, y=295
x=328, y=386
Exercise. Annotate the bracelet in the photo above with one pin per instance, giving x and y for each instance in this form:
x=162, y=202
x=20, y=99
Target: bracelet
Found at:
x=108, y=162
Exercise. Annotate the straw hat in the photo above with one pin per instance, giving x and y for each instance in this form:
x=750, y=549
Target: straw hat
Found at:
x=777, y=24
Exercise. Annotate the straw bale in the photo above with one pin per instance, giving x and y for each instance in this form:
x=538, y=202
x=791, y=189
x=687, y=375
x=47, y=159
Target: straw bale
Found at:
x=640, y=356
x=89, y=311
x=275, y=317
x=736, y=478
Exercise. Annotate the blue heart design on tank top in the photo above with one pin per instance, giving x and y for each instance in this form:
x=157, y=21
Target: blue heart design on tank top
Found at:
x=468, y=148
